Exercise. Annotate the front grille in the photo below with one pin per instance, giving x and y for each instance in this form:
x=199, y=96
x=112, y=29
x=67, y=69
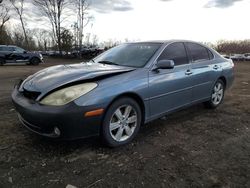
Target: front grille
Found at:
x=31, y=94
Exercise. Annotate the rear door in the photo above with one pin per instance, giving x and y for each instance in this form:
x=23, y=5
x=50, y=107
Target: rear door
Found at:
x=8, y=51
x=170, y=89
x=202, y=71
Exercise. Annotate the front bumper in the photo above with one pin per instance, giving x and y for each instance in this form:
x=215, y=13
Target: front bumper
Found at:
x=69, y=119
x=41, y=59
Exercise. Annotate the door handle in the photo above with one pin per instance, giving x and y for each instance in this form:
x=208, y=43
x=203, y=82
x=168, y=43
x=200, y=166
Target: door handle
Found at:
x=188, y=72
x=215, y=67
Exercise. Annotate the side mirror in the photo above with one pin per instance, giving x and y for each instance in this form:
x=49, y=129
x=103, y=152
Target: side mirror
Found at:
x=25, y=52
x=164, y=64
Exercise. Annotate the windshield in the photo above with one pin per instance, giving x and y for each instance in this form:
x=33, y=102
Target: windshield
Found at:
x=19, y=50
x=131, y=55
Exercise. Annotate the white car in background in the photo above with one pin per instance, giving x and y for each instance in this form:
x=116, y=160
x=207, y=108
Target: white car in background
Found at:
x=237, y=57
x=226, y=56
x=247, y=56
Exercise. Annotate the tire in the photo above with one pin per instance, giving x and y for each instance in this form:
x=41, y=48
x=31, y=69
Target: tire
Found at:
x=125, y=125
x=217, y=95
x=2, y=61
x=34, y=61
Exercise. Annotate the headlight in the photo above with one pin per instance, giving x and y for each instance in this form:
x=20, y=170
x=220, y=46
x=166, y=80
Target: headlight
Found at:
x=66, y=95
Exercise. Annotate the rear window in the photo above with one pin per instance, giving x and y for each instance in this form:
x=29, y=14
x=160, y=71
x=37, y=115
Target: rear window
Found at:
x=19, y=50
x=198, y=52
x=5, y=48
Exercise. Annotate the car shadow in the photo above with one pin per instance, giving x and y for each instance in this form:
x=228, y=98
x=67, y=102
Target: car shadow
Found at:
x=178, y=117
x=59, y=147
x=14, y=64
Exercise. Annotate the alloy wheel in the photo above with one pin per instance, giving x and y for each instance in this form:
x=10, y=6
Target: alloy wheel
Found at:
x=218, y=92
x=123, y=123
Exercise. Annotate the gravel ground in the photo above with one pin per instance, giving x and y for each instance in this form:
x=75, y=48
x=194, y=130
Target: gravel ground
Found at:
x=195, y=147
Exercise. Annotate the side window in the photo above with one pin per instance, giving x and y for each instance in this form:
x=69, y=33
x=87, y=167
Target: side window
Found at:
x=19, y=50
x=198, y=52
x=211, y=55
x=7, y=49
x=11, y=49
x=175, y=52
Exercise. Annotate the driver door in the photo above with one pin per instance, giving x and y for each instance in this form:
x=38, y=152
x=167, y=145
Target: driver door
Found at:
x=170, y=89
x=19, y=54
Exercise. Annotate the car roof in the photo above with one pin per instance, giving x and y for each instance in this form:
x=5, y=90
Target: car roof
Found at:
x=8, y=46
x=166, y=41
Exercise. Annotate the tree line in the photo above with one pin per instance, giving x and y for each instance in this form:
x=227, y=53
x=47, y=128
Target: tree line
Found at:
x=233, y=47
x=55, y=13
x=56, y=37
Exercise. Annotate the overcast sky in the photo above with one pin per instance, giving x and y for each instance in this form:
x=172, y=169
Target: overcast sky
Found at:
x=200, y=20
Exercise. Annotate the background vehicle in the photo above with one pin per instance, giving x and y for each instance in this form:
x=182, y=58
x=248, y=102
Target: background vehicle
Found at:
x=225, y=56
x=87, y=52
x=14, y=54
x=121, y=89
x=247, y=56
x=237, y=57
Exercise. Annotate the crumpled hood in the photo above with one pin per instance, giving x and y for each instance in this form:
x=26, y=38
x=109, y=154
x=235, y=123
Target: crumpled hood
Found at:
x=56, y=76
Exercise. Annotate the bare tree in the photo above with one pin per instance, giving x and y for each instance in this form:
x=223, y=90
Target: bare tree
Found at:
x=18, y=38
x=47, y=40
x=53, y=10
x=18, y=7
x=4, y=15
x=38, y=36
x=67, y=40
x=82, y=19
x=231, y=47
x=94, y=40
x=43, y=38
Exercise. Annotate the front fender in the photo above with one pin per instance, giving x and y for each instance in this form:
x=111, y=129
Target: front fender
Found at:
x=106, y=94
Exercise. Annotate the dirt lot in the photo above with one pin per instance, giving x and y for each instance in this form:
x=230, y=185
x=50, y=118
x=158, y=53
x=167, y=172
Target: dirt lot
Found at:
x=196, y=147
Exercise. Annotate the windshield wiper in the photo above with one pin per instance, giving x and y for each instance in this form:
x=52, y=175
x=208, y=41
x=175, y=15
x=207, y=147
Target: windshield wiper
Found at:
x=108, y=62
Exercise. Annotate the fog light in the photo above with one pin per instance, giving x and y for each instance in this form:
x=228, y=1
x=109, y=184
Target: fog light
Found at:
x=57, y=131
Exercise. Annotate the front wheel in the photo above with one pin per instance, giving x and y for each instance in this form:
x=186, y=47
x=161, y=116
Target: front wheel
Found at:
x=121, y=122
x=34, y=61
x=217, y=95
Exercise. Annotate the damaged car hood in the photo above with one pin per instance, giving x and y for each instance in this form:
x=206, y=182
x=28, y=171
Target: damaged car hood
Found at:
x=57, y=76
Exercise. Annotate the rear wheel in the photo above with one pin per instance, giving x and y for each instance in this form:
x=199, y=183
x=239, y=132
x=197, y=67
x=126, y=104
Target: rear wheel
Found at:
x=34, y=61
x=121, y=122
x=217, y=95
x=2, y=61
